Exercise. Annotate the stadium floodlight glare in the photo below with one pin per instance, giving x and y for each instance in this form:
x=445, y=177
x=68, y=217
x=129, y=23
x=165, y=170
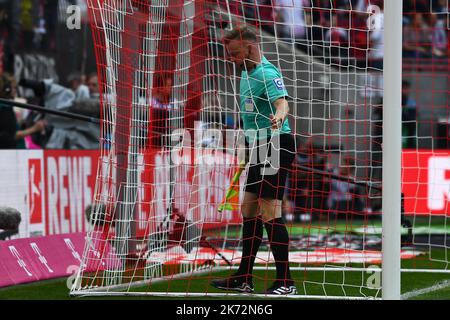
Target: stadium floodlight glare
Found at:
x=165, y=219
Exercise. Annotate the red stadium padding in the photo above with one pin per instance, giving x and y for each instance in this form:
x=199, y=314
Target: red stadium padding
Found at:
x=426, y=182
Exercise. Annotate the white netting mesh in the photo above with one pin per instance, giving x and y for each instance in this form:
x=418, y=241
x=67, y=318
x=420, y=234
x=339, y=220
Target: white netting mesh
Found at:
x=171, y=118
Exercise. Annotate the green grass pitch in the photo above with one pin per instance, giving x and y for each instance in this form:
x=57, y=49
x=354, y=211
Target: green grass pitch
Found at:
x=424, y=286
x=315, y=283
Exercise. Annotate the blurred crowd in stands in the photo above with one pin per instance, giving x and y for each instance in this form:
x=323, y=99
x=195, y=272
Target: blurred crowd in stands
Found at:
x=27, y=25
x=350, y=28
x=25, y=129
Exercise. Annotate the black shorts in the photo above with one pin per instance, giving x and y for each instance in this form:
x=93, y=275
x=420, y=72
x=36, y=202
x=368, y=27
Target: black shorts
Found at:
x=269, y=165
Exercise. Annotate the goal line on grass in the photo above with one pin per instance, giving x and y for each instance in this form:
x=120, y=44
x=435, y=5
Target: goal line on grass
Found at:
x=415, y=293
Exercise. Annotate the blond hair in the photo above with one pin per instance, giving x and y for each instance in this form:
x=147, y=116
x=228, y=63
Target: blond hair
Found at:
x=240, y=32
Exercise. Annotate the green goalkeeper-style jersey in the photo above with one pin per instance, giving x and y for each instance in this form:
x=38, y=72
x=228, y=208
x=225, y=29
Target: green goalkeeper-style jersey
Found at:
x=259, y=89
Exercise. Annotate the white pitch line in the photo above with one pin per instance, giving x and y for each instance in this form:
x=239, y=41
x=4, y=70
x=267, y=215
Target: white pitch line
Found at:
x=440, y=285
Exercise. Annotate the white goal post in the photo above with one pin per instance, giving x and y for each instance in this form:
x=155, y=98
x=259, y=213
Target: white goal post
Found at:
x=392, y=149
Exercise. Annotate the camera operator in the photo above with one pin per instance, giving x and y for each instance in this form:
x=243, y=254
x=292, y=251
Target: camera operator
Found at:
x=11, y=137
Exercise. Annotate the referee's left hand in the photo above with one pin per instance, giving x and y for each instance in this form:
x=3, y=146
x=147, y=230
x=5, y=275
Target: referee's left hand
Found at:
x=276, y=122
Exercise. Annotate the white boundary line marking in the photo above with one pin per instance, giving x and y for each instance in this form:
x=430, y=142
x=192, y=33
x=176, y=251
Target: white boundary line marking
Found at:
x=438, y=286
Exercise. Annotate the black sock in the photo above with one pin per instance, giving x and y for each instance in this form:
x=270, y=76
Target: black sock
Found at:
x=279, y=245
x=252, y=234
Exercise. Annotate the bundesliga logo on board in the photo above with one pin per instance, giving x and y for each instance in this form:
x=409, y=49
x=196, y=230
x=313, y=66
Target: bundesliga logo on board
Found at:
x=279, y=83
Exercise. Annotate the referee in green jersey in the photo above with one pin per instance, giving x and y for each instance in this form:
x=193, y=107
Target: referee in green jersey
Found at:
x=271, y=151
